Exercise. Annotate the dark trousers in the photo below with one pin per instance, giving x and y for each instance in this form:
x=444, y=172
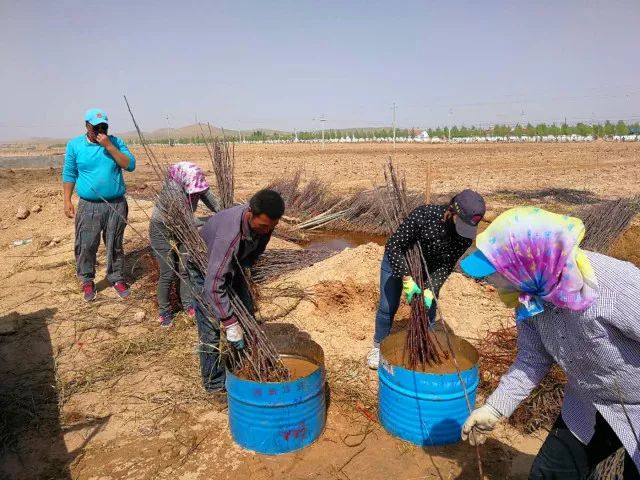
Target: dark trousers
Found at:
x=93, y=220
x=212, y=366
x=564, y=457
x=169, y=263
x=390, y=293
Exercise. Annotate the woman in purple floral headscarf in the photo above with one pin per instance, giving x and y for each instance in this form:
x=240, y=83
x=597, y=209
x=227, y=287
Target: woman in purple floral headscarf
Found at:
x=575, y=308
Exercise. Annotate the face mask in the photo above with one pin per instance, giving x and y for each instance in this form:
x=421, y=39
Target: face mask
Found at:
x=506, y=290
x=100, y=128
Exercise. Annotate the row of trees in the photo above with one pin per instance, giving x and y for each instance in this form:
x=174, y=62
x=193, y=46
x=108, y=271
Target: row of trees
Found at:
x=597, y=130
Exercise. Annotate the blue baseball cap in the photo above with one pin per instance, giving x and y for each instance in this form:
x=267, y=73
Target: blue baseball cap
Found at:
x=477, y=265
x=95, y=116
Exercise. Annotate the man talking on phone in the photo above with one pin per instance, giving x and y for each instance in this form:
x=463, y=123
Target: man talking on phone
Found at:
x=93, y=165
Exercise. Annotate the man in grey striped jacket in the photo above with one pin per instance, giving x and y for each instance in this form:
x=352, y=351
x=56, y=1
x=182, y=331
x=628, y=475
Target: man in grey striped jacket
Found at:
x=598, y=348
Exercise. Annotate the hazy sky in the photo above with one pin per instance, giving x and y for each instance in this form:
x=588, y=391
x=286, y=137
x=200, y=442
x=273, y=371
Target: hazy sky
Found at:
x=282, y=64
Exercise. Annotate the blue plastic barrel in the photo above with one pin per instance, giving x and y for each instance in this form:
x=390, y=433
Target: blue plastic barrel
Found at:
x=424, y=408
x=275, y=418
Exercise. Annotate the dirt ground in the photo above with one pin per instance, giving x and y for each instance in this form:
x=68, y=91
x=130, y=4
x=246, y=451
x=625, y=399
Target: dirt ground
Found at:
x=99, y=391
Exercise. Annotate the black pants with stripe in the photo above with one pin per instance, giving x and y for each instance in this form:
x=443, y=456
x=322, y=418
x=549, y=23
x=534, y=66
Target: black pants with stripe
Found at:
x=564, y=457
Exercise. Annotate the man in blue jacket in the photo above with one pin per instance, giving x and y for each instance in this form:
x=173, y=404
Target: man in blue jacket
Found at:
x=93, y=165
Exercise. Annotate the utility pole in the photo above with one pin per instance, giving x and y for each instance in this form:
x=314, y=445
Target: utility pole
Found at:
x=168, y=134
x=394, y=124
x=239, y=133
x=450, y=117
x=322, y=119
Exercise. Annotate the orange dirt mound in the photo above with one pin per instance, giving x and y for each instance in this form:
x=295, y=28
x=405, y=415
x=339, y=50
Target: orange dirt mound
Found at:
x=334, y=295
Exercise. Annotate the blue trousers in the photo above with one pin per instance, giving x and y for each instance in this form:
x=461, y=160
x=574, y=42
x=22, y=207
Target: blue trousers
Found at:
x=212, y=364
x=390, y=293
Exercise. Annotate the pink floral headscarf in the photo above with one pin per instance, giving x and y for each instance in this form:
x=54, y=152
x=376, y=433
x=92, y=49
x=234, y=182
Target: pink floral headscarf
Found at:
x=189, y=176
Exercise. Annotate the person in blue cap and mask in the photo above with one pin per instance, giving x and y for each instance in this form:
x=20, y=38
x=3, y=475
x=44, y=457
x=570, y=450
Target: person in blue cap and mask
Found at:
x=93, y=165
x=444, y=232
x=578, y=309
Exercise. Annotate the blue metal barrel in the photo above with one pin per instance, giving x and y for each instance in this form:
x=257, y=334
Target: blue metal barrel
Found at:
x=424, y=408
x=274, y=418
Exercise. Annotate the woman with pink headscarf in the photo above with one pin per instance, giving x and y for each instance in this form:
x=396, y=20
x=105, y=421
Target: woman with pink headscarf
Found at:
x=578, y=309
x=189, y=179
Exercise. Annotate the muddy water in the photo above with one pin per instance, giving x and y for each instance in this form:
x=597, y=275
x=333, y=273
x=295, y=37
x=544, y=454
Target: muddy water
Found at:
x=338, y=241
x=299, y=367
x=393, y=350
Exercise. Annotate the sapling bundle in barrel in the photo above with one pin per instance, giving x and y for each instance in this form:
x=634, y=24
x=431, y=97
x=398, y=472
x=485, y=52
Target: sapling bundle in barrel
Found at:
x=259, y=360
x=422, y=346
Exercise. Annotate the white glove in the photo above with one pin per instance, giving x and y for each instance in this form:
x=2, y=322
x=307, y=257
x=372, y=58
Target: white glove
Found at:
x=234, y=335
x=481, y=421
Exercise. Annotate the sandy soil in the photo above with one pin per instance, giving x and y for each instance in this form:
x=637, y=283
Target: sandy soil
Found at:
x=98, y=391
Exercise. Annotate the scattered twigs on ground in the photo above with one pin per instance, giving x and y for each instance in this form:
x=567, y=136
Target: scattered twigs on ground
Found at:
x=276, y=262
x=281, y=300
x=541, y=408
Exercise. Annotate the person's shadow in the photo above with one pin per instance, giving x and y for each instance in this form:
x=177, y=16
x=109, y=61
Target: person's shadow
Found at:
x=496, y=458
x=31, y=436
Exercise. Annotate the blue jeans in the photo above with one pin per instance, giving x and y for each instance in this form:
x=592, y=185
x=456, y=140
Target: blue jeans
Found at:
x=390, y=292
x=212, y=364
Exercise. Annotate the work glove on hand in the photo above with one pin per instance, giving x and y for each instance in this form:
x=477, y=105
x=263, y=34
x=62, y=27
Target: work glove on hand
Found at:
x=234, y=335
x=428, y=298
x=481, y=421
x=410, y=289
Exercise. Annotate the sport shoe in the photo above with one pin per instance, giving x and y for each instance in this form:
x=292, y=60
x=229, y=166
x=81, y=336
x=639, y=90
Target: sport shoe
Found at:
x=373, y=358
x=121, y=289
x=89, y=290
x=191, y=312
x=166, y=320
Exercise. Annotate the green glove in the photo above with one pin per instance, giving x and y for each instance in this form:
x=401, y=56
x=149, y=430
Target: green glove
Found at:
x=410, y=289
x=428, y=298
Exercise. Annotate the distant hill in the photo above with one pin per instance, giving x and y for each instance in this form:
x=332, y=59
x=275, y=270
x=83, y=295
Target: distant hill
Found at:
x=160, y=134
x=193, y=131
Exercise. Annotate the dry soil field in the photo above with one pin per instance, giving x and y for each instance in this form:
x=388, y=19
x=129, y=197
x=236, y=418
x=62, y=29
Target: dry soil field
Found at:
x=99, y=391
